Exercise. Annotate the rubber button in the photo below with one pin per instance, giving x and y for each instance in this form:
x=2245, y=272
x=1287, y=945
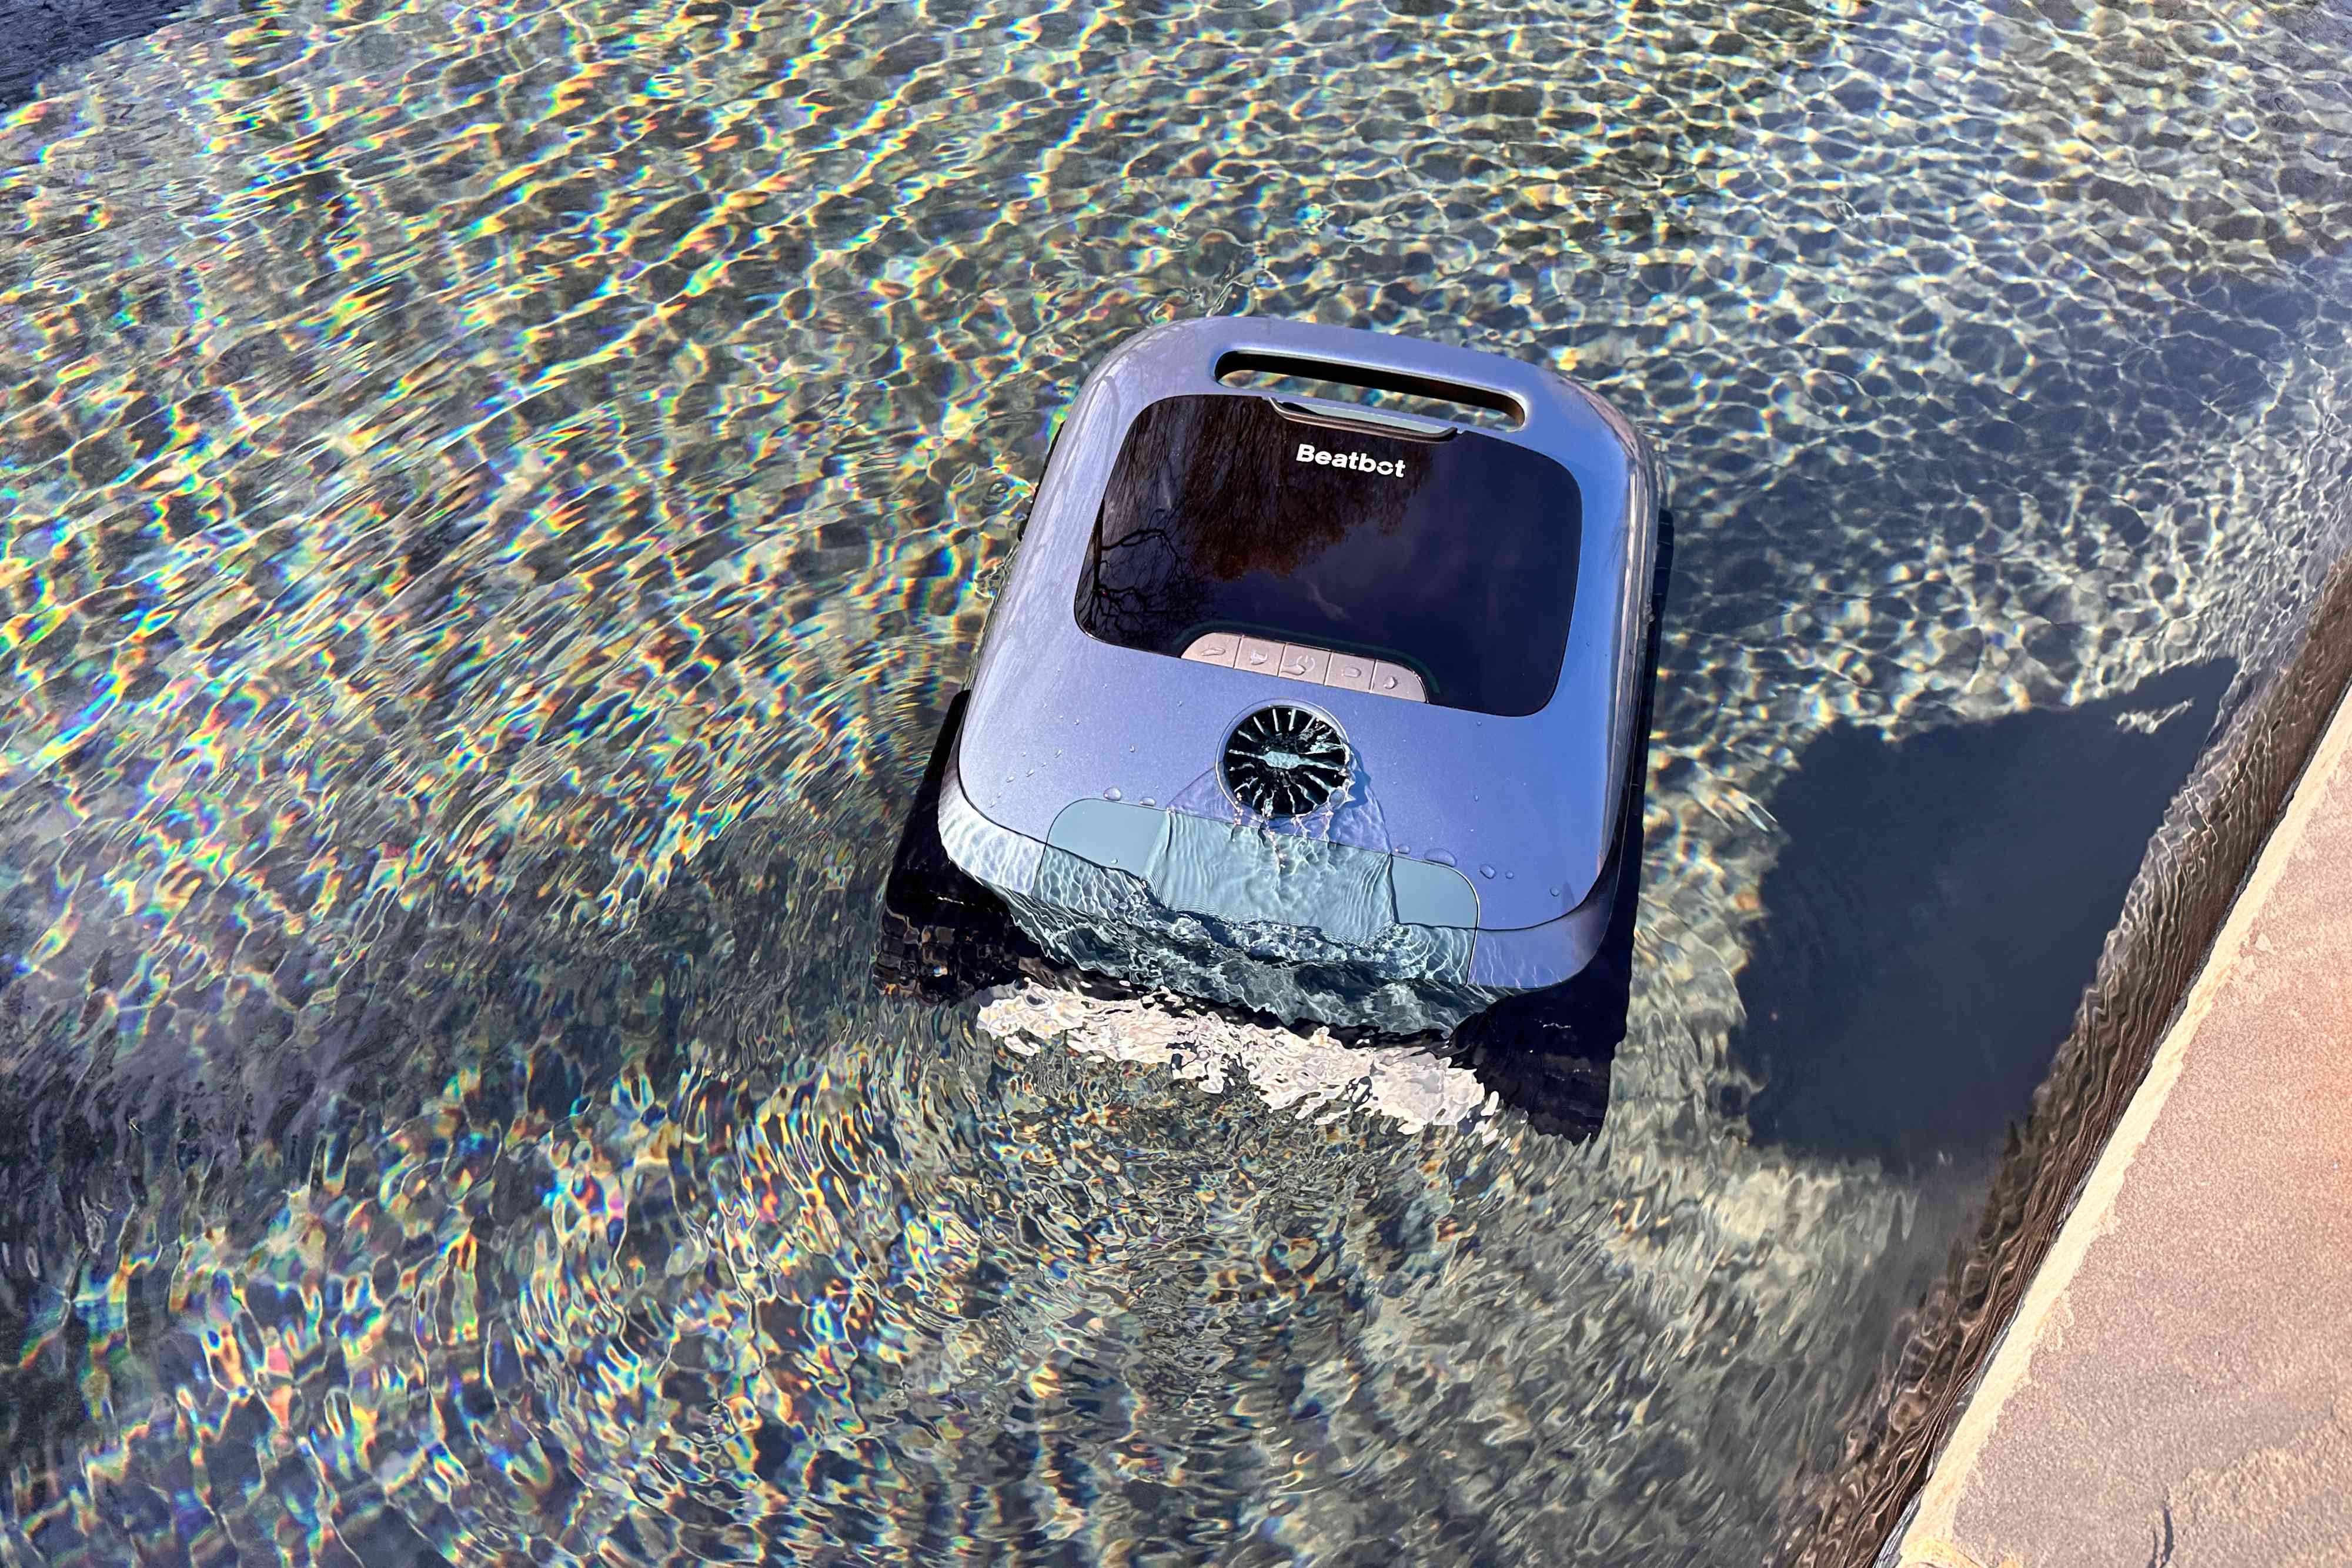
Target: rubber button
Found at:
x=1259, y=655
x=1303, y=663
x=1214, y=648
x=1396, y=681
x=1349, y=671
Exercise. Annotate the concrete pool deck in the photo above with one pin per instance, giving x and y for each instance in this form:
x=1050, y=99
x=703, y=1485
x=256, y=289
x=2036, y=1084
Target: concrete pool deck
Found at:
x=2176, y=1388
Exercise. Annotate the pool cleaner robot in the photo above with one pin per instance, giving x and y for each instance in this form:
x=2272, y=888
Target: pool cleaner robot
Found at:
x=1310, y=708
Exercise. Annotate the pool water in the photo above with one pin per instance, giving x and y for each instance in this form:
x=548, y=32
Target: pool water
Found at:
x=498, y=498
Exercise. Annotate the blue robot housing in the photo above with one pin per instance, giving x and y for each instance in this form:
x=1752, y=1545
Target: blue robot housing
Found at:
x=1306, y=706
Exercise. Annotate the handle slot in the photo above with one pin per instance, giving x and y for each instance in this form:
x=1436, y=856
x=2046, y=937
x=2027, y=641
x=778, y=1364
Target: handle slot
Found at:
x=1335, y=380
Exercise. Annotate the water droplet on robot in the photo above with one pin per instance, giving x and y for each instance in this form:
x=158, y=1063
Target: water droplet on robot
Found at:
x=1111, y=793
x=1150, y=801
x=1442, y=857
x=1554, y=892
x=1485, y=871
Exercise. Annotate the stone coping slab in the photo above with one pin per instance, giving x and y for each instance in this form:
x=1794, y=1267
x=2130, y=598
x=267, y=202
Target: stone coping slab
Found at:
x=2175, y=1389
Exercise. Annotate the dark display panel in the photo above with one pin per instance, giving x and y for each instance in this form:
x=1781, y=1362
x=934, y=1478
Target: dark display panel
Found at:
x=1453, y=557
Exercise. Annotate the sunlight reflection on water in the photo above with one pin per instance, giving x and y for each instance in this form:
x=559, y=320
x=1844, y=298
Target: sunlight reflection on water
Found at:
x=496, y=497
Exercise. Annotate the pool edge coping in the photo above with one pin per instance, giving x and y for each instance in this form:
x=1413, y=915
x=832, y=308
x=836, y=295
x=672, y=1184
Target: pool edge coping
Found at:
x=1928, y=1537
x=1855, y=1510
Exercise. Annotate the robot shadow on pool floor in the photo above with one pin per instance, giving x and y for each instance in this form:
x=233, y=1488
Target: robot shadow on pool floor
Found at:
x=1546, y=1054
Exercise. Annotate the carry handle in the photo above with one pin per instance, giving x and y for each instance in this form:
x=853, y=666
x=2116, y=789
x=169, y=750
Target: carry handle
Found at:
x=1373, y=378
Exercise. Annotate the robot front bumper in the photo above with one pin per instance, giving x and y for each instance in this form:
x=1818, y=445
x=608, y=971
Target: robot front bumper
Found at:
x=1275, y=896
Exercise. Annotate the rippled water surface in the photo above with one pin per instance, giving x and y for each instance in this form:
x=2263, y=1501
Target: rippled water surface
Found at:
x=498, y=495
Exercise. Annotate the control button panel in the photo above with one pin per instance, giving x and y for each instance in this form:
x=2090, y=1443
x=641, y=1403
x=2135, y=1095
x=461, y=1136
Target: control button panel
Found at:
x=1307, y=663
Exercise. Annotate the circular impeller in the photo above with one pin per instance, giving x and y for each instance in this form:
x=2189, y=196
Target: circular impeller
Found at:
x=1285, y=761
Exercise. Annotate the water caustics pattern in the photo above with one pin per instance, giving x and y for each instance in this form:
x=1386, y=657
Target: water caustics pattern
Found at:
x=497, y=496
